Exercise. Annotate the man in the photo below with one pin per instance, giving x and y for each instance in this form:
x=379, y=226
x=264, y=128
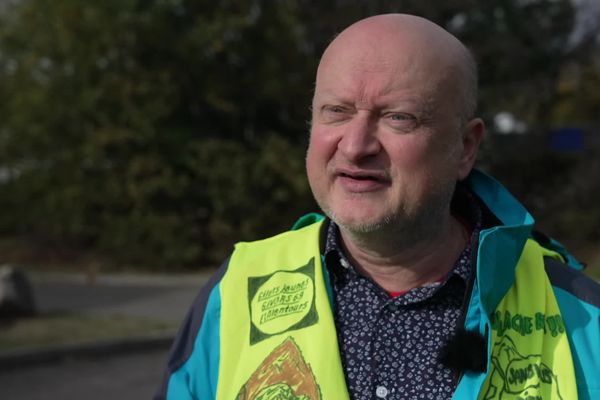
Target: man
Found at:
x=423, y=281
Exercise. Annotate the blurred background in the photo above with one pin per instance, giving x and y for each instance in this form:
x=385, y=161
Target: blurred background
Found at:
x=154, y=134
x=149, y=136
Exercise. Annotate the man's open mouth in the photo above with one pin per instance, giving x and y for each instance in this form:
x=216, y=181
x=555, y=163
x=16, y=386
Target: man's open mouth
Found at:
x=364, y=176
x=362, y=181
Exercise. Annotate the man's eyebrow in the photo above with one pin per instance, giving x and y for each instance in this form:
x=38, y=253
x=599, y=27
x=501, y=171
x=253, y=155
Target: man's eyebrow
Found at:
x=425, y=104
x=422, y=105
x=329, y=95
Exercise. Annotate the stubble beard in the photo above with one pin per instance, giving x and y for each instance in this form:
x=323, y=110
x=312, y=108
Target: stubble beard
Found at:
x=402, y=227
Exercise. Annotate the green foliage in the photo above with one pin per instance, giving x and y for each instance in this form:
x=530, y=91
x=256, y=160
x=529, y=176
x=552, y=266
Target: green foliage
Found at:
x=520, y=47
x=123, y=132
x=560, y=189
x=161, y=132
x=578, y=97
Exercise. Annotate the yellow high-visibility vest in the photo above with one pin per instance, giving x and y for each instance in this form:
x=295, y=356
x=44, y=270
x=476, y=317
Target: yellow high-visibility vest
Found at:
x=278, y=337
x=531, y=357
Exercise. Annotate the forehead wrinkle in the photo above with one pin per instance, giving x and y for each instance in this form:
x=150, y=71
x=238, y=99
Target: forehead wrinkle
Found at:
x=389, y=96
x=379, y=85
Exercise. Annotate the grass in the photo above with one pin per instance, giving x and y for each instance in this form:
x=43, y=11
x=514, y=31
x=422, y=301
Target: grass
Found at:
x=61, y=329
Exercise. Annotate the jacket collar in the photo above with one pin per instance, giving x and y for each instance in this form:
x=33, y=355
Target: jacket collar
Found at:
x=501, y=245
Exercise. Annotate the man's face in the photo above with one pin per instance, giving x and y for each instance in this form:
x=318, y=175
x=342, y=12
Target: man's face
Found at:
x=386, y=137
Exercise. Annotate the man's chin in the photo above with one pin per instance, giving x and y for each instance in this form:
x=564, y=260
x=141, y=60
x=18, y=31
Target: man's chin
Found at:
x=358, y=218
x=361, y=224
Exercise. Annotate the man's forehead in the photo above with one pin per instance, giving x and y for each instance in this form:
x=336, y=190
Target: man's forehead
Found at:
x=380, y=66
x=394, y=43
x=398, y=81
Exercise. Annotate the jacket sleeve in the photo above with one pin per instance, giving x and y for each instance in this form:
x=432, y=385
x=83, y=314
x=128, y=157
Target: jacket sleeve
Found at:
x=193, y=362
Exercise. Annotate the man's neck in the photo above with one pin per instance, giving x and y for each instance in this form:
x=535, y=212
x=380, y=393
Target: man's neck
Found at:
x=398, y=265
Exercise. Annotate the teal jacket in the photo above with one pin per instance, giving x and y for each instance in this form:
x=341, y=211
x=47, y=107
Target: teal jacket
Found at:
x=193, y=363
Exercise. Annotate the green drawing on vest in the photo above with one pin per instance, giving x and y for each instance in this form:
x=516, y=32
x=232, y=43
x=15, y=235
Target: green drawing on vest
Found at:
x=515, y=376
x=279, y=391
x=282, y=301
x=526, y=325
x=283, y=375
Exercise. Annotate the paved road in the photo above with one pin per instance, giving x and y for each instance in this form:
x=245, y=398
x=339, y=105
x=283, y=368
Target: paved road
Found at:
x=132, y=376
x=159, y=297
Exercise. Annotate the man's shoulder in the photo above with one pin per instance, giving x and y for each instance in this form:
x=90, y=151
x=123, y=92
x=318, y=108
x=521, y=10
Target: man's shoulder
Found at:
x=572, y=281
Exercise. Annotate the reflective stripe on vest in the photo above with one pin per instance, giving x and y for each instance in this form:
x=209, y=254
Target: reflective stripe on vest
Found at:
x=278, y=336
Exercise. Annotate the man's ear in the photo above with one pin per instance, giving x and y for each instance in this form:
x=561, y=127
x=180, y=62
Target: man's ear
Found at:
x=473, y=134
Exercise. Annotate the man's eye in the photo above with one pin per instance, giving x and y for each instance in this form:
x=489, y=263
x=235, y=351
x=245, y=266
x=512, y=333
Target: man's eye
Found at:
x=401, y=117
x=402, y=121
x=335, y=113
x=334, y=109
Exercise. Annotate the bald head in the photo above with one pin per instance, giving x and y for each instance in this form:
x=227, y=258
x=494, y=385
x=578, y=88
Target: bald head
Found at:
x=413, y=46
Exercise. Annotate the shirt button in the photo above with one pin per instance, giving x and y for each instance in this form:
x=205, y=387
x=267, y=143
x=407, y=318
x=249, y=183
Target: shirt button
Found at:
x=393, y=307
x=381, y=392
x=345, y=263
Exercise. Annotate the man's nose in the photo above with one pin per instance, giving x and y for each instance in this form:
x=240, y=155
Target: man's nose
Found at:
x=359, y=139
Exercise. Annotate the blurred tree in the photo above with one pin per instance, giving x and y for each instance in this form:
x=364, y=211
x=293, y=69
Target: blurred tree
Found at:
x=578, y=97
x=140, y=129
x=161, y=131
x=573, y=210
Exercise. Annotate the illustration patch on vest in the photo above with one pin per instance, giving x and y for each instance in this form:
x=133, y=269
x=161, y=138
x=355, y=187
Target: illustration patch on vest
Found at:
x=281, y=302
x=283, y=375
x=515, y=376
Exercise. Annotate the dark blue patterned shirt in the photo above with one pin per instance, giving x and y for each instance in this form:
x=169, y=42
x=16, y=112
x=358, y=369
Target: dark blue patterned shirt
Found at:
x=390, y=346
